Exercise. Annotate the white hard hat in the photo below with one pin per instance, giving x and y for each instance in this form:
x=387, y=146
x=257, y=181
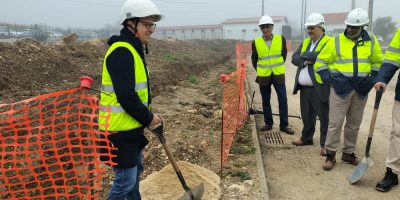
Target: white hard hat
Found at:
x=357, y=17
x=140, y=8
x=315, y=19
x=266, y=20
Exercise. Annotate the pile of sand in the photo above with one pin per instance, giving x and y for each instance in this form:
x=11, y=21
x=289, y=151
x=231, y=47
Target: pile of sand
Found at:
x=164, y=184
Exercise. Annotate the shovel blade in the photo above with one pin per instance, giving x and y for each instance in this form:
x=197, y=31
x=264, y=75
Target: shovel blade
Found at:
x=194, y=194
x=360, y=169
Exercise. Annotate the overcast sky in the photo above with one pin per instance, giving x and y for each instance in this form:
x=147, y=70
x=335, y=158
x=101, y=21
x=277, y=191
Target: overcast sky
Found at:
x=97, y=13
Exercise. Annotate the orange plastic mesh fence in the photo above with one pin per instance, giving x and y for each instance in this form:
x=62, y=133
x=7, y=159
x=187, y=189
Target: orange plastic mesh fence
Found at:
x=50, y=147
x=235, y=110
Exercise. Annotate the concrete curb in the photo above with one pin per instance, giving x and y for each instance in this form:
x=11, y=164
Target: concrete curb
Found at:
x=264, y=195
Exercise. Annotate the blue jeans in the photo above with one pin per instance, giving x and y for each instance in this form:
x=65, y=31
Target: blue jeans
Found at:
x=126, y=183
x=280, y=90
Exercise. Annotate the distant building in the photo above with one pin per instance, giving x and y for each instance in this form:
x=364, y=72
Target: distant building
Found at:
x=202, y=32
x=247, y=28
x=335, y=23
x=235, y=28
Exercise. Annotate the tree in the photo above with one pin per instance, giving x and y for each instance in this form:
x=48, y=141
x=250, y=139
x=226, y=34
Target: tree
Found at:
x=384, y=26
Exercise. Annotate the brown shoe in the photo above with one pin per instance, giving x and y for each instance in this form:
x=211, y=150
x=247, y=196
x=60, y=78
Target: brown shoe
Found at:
x=329, y=163
x=350, y=158
x=301, y=143
x=322, y=152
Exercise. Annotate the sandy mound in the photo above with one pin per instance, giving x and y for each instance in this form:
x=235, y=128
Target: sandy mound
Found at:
x=164, y=184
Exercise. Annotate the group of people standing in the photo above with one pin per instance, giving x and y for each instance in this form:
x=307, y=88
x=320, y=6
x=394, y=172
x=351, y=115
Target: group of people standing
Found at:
x=334, y=77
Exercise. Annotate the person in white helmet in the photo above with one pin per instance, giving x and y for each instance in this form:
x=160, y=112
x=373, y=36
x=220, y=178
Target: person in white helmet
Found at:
x=314, y=93
x=125, y=98
x=350, y=63
x=268, y=57
x=388, y=69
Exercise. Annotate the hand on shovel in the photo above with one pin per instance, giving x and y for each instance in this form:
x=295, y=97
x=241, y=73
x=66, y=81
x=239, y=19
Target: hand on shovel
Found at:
x=190, y=194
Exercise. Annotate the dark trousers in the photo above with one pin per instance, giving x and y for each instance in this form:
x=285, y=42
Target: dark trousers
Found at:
x=280, y=90
x=311, y=106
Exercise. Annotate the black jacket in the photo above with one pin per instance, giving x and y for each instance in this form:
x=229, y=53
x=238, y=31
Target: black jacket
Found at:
x=120, y=67
x=386, y=73
x=298, y=60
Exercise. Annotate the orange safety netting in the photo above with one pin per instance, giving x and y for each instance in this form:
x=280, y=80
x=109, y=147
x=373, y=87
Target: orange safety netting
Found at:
x=50, y=147
x=235, y=110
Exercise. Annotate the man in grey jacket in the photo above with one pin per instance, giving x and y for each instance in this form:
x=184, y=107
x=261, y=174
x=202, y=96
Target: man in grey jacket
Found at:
x=314, y=94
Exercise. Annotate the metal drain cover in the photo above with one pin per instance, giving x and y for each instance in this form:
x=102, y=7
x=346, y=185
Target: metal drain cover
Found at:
x=273, y=138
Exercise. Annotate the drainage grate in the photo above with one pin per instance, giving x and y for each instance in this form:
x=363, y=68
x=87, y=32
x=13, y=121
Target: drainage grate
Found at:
x=273, y=138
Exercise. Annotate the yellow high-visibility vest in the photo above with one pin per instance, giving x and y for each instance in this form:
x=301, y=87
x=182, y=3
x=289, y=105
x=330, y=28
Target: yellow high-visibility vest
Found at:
x=317, y=49
x=337, y=56
x=119, y=120
x=392, y=54
x=270, y=60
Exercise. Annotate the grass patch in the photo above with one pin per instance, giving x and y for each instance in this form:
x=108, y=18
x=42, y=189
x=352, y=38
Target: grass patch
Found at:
x=193, y=79
x=243, y=143
x=169, y=57
x=242, y=175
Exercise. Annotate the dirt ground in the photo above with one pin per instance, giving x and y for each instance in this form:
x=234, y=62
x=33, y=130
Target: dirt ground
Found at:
x=296, y=172
x=187, y=94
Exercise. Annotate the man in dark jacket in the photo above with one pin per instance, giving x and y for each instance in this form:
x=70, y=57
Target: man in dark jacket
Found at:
x=314, y=94
x=125, y=97
x=389, y=67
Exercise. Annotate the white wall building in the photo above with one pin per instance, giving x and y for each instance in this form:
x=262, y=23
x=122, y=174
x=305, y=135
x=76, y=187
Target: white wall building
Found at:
x=236, y=28
x=335, y=23
x=247, y=28
x=202, y=32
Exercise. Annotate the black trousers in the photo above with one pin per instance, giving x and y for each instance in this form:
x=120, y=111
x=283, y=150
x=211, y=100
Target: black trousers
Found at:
x=311, y=106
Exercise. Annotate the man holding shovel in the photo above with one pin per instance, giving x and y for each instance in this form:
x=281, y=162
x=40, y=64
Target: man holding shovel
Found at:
x=349, y=62
x=389, y=67
x=125, y=96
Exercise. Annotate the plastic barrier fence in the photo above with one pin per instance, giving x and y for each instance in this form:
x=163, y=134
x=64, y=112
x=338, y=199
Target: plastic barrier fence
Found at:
x=50, y=147
x=235, y=110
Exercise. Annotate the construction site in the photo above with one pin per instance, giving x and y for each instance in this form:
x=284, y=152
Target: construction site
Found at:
x=204, y=87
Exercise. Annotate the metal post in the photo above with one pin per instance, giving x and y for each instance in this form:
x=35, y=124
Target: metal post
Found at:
x=262, y=8
x=370, y=9
x=301, y=20
x=353, y=4
x=305, y=15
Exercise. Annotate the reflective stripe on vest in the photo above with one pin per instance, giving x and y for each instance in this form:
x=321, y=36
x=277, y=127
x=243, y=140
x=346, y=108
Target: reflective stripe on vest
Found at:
x=119, y=120
x=320, y=45
x=270, y=60
x=344, y=63
x=392, y=55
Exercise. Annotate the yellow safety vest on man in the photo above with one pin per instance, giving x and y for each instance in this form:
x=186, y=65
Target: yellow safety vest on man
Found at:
x=118, y=119
x=270, y=60
x=351, y=63
x=321, y=44
x=392, y=54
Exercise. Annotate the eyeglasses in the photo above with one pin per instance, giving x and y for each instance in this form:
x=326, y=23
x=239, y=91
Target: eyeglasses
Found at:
x=148, y=25
x=353, y=27
x=310, y=27
x=266, y=26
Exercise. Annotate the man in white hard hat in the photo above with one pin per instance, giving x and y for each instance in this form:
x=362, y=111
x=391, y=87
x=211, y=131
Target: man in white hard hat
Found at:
x=125, y=97
x=314, y=93
x=350, y=63
x=388, y=69
x=268, y=57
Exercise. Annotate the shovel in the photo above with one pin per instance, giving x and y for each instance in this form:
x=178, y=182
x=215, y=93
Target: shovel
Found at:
x=190, y=194
x=367, y=162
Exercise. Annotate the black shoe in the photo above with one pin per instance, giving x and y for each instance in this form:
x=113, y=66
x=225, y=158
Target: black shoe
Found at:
x=266, y=128
x=287, y=130
x=388, y=181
